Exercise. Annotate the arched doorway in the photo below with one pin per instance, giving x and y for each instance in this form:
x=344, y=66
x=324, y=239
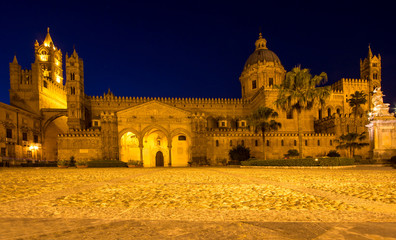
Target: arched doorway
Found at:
x=159, y=159
x=50, y=142
x=130, y=150
x=155, y=141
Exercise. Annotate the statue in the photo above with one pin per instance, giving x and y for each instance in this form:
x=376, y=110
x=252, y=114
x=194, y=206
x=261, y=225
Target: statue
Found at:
x=380, y=109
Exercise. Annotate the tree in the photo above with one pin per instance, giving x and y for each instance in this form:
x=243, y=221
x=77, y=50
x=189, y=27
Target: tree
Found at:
x=260, y=120
x=355, y=101
x=352, y=141
x=300, y=92
x=239, y=153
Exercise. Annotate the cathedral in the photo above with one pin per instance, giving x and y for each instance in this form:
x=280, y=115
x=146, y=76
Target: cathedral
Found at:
x=50, y=117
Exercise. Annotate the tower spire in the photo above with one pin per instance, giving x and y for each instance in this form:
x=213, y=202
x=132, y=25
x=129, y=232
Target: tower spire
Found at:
x=48, y=39
x=370, y=54
x=15, y=60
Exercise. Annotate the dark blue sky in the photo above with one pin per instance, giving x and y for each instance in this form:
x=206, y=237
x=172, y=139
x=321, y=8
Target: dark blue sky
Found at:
x=198, y=48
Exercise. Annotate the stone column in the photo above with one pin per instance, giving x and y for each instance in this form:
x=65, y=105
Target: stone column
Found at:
x=141, y=152
x=170, y=155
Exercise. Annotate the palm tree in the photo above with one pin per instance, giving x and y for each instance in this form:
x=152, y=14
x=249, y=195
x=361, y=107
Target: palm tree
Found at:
x=352, y=141
x=299, y=92
x=355, y=101
x=260, y=120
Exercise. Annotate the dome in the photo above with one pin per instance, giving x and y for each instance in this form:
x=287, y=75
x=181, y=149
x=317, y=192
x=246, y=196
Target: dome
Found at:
x=262, y=53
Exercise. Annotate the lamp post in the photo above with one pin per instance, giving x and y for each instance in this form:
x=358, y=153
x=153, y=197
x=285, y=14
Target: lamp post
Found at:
x=33, y=149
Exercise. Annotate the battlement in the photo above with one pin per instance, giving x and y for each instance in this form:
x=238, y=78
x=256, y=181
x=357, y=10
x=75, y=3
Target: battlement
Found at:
x=233, y=133
x=81, y=133
x=107, y=98
x=353, y=80
x=336, y=91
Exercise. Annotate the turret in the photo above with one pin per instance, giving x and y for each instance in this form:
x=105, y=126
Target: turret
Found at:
x=75, y=92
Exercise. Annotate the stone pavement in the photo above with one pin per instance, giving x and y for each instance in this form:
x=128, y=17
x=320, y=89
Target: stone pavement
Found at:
x=205, y=203
x=33, y=228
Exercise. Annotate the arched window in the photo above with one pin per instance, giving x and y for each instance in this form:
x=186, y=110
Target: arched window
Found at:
x=282, y=143
x=254, y=85
x=320, y=113
x=73, y=91
x=375, y=75
x=268, y=142
x=318, y=142
x=295, y=142
x=338, y=111
x=329, y=112
x=182, y=138
x=243, y=143
x=217, y=143
x=231, y=143
x=270, y=82
x=306, y=142
x=331, y=142
x=256, y=143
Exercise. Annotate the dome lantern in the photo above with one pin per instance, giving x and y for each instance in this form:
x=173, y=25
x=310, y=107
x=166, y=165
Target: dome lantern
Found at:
x=261, y=43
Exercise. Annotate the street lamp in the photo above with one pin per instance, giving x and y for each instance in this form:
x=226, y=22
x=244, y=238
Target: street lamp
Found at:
x=33, y=149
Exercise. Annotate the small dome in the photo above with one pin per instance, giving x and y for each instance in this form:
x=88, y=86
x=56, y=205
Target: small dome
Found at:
x=262, y=53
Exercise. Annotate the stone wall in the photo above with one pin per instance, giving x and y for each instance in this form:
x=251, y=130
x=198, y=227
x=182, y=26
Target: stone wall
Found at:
x=82, y=145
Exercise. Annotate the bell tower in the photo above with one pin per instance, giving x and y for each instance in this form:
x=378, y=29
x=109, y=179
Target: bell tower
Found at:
x=370, y=69
x=42, y=86
x=75, y=92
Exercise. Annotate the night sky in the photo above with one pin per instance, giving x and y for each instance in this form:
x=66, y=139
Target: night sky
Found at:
x=198, y=48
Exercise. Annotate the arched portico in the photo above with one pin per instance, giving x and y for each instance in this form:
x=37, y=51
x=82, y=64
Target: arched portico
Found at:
x=174, y=146
x=155, y=140
x=129, y=147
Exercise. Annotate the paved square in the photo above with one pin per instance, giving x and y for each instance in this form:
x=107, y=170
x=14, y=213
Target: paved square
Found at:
x=198, y=203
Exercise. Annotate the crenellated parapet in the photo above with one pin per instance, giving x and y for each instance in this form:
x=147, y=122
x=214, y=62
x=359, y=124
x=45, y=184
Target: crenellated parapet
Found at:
x=169, y=100
x=81, y=133
x=354, y=80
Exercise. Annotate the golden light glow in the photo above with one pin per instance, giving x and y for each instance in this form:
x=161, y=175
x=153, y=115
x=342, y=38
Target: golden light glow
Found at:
x=44, y=57
x=33, y=147
x=58, y=79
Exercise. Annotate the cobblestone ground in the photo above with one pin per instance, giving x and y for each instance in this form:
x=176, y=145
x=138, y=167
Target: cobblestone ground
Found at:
x=197, y=203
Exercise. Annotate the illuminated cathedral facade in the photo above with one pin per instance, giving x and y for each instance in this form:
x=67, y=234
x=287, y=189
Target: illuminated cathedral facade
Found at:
x=50, y=117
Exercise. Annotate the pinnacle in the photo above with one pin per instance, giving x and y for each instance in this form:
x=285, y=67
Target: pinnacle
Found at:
x=15, y=60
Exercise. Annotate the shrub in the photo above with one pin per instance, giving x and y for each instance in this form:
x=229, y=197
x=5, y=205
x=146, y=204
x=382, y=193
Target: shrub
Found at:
x=72, y=162
x=106, y=163
x=135, y=163
x=333, y=153
x=238, y=154
x=301, y=162
x=366, y=161
x=292, y=153
x=81, y=162
x=63, y=162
